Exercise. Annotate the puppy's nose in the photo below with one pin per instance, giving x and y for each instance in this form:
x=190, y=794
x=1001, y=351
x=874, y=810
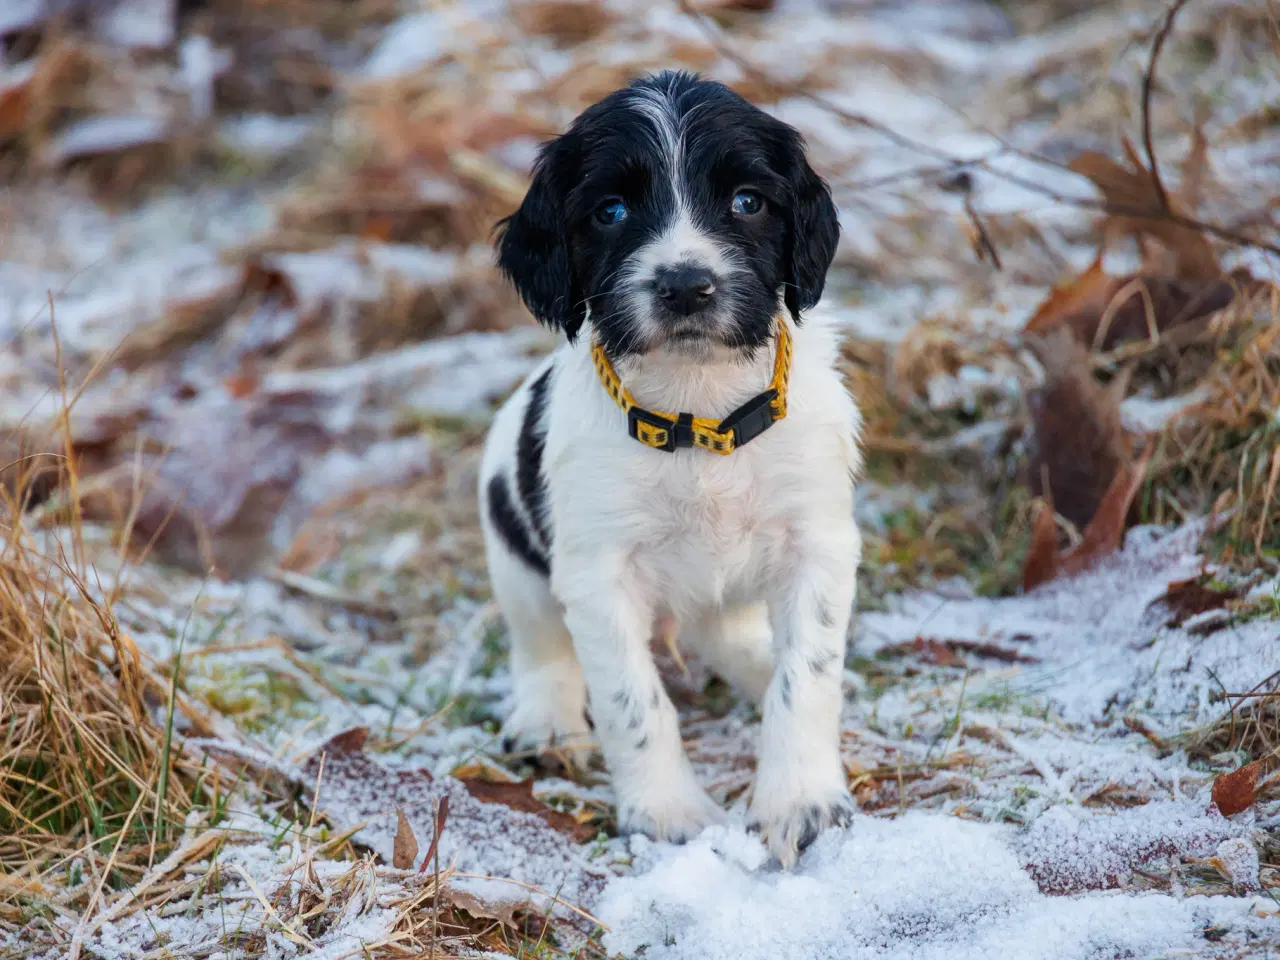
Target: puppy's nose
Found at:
x=685, y=289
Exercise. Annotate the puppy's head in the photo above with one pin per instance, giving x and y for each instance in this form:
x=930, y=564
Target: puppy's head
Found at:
x=676, y=214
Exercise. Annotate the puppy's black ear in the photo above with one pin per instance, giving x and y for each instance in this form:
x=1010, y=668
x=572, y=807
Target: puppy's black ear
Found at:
x=533, y=246
x=815, y=230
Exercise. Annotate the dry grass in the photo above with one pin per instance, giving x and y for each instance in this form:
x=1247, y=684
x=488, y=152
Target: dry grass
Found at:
x=90, y=780
x=105, y=816
x=1223, y=456
x=1251, y=724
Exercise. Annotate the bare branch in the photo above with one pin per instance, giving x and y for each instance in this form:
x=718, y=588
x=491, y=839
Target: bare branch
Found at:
x=1148, y=81
x=981, y=162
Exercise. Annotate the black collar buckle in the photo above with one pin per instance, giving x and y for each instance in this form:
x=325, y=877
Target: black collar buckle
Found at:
x=679, y=432
x=751, y=419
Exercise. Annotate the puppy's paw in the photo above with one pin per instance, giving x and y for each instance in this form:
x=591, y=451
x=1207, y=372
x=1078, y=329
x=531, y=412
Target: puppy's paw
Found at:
x=788, y=830
x=674, y=815
x=546, y=727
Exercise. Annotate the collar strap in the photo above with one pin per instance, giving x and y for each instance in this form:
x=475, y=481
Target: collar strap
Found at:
x=672, y=431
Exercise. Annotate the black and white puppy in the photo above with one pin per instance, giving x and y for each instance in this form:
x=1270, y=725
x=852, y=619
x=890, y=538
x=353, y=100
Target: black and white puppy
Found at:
x=678, y=227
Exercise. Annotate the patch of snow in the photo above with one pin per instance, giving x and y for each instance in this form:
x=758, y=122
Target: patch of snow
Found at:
x=136, y=23
x=264, y=134
x=1238, y=859
x=104, y=134
x=922, y=886
x=1140, y=414
x=510, y=854
x=1104, y=655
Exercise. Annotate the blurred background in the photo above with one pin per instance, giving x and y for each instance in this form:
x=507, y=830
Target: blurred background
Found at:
x=258, y=228
x=251, y=337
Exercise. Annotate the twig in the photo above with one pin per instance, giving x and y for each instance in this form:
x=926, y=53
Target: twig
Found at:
x=1148, y=81
x=983, y=246
x=982, y=162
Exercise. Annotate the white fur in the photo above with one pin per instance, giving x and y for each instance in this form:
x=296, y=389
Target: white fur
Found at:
x=754, y=554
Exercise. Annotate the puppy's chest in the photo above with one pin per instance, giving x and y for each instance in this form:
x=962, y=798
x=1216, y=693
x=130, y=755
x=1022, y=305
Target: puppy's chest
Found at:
x=710, y=523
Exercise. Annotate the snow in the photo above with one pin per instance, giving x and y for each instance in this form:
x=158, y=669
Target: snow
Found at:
x=921, y=886
x=490, y=843
x=1101, y=655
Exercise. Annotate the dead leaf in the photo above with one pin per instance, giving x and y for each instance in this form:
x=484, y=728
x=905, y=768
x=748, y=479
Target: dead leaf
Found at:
x=1103, y=312
x=1041, y=564
x=1078, y=442
x=1105, y=532
x=348, y=741
x=1237, y=790
x=1195, y=172
x=15, y=99
x=946, y=653
x=1133, y=188
x=405, y=850
x=1101, y=538
x=568, y=22
x=519, y=796
x=1185, y=599
x=1088, y=292
x=930, y=651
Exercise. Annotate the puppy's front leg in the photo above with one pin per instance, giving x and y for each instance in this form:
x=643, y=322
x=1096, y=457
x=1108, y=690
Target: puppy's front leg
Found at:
x=636, y=723
x=801, y=788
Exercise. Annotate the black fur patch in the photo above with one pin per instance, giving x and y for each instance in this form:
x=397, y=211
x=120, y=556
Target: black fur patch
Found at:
x=826, y=616
x=512, y=529
x=530, y=484
x=784, y=689
x=822, y=662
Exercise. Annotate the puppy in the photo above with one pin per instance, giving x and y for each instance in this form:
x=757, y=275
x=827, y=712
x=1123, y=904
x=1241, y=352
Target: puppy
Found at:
x=687, y=454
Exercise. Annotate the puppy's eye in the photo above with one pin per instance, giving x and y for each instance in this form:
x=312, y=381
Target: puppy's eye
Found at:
x=612, y=211
x=747, y=203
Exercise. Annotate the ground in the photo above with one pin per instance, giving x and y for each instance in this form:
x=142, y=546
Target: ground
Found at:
x=252, y=677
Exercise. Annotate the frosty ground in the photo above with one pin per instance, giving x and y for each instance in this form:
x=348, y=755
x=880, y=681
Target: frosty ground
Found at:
x=280, y=357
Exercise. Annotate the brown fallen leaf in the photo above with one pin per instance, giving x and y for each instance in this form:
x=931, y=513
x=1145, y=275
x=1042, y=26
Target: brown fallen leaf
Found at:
x=1101, y=538
x=520, y=917
x=946, y=653
x=1185, y=599
x=1087, y=292
x=348, y=741
x=1237, y=790
x=1195, y=171
x=1078, y=442
x=1041, y=564
x=1133, y=188
x=405, y=850
x=928, y=650
x=15, y=103
x=1102, y=311
x=1105, y=531
x=519, y=796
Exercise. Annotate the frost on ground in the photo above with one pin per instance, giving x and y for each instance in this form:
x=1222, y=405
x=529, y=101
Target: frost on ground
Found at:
x=925, y=885
x=289, y=353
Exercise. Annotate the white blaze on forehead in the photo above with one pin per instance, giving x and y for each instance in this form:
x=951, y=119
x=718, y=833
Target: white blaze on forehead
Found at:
x=660, y=110
x=681, y=241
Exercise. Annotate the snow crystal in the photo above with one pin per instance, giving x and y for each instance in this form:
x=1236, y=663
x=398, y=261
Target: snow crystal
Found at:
x=922, y=886
x=1237, y=858
x=1103, y=654
x=486, y=840
x=1067, y=850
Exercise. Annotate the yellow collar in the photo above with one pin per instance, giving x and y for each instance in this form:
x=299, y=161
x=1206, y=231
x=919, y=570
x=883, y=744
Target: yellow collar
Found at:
x=668, y=431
